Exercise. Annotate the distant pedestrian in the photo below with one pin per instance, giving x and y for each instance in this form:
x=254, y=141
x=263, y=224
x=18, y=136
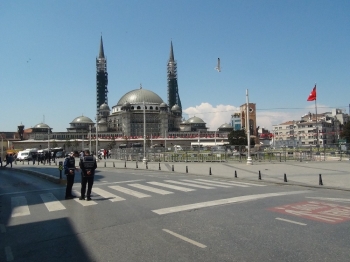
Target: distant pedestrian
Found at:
x=87, y=165
x=9, y=160
x=69, y=170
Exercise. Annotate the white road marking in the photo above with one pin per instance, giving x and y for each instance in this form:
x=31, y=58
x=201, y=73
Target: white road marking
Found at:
x=2, y=228
x=239, y=199
x=188, y=184
x=19, y=206
x=120, y=182
x=51, y=202
x=83, y=202
x=151, y=189
x=105, y=194
x=180, y=188
x=8, y=252
x=345, y=200
x=203, y=183
x=129, y=191
x=243, y=183
x=185, y=239
x=291, y=221
x=221, y=183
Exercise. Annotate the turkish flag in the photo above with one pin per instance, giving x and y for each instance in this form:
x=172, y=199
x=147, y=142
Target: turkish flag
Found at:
x=312, y=95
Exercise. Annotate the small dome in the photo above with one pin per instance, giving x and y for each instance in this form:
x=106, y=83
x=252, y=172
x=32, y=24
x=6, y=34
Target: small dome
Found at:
x=196, y=120
x=225, y=126
x=162, y=105
x=176, y=108
x=82, y=120
x=104, y=106
x=41, y=125
x=139, y=96
x=102, y=121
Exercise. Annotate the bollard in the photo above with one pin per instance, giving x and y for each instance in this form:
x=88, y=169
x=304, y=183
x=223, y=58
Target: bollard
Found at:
x=209, y=171
x=259, y=175
x=137, y=165
x=320, y=181
x=23, y=162
x=28, y=162
x=186, y=169
x=235, y=173
x=172, y=168
x=113, y=164
x=159, y=166
x=105, y=164
x=146, y=165
x=125, y=164
x=285, y=178
x=38, y=162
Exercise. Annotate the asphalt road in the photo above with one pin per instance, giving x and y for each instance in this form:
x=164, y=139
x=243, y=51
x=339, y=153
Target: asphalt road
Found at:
x=138, y=215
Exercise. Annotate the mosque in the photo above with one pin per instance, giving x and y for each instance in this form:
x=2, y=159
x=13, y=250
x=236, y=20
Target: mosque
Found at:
x=126, y=119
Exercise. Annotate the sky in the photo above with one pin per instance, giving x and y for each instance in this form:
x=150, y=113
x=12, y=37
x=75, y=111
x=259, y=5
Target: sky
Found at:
x=277, y=50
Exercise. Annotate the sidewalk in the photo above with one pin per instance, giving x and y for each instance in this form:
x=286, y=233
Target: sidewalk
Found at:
x=334, y=174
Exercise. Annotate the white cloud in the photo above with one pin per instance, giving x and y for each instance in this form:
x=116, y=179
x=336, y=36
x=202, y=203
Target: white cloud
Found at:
x=215, y=116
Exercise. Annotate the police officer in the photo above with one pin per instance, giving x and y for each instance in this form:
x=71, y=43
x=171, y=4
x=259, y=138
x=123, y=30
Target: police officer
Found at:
x=87, y=165
x=69, y=170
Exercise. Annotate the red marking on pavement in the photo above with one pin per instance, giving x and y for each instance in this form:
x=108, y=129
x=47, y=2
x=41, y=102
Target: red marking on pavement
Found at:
x=318, y=211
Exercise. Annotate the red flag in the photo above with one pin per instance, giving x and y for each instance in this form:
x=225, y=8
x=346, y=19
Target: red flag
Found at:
x=312, y=95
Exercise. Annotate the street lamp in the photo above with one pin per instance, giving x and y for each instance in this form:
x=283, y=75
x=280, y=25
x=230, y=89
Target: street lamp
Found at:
x=144, y=134
x=249, y=159
x=96, y=137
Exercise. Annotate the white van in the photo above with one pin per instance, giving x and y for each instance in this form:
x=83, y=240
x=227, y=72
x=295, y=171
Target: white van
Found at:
x=177, y=148
x=22, y=155
x=26, y=154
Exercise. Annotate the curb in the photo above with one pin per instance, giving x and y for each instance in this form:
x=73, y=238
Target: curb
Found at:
x=41, y=175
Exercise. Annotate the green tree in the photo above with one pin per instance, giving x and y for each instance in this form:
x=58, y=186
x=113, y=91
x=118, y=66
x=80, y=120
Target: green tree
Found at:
x=345, y=134
x=239, y=138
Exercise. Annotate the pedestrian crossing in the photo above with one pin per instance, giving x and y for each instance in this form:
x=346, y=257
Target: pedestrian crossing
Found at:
x=130, y=189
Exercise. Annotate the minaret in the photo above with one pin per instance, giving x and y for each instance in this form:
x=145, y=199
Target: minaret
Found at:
x=101, y=78
x=173, y=91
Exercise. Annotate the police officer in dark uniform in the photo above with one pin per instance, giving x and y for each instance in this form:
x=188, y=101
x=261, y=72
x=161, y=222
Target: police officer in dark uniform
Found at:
x=87, y=165
x=69, y=170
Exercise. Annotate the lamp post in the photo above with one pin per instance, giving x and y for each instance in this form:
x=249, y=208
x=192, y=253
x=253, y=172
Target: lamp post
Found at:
x=48, y=140
x=144, y=160
x=96, y=137
x=249, y=159
x=90, y=138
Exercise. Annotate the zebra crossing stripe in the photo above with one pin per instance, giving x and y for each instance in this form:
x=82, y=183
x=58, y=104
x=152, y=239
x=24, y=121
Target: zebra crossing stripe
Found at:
x=243, y=183
x=184, y=189
x=151, y=189
x=204, y=183
x=188, y=184
x=105, y=194
x=221, y=183
x=19, y=206
x=129, y=191
x=51, y=202
x=83, y=202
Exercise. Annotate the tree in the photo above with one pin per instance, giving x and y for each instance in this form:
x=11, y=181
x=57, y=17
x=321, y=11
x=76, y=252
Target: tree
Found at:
x=239, y=138
x=346, y=132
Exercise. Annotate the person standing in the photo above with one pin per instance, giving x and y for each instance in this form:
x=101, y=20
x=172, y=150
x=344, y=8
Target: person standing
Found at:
x=69, y=170
x=87, y=165
x=9, y=160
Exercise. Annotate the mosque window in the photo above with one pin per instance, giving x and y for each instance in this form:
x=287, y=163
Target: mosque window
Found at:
x=156, y=107
x=138, y=107
x=151, y=107
x=132, y=108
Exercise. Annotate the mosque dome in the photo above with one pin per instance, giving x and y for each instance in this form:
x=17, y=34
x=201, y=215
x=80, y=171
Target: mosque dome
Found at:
x=138, y=96
x=195, y=120
x=41, y=125
x=104, y=106
x=162, y=105
x=176, y=108
x=226, y=126
x=82, y=120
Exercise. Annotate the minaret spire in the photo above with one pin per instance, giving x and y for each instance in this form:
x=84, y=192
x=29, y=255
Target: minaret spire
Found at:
x=171, y=57
x=101, y=54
